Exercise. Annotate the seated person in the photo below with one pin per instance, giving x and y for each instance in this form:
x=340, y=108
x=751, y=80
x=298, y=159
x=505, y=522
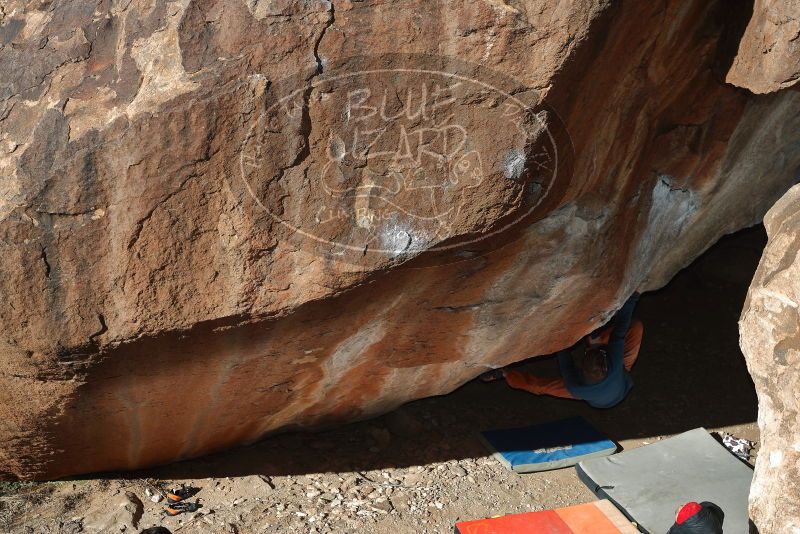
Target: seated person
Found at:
x=599, y=373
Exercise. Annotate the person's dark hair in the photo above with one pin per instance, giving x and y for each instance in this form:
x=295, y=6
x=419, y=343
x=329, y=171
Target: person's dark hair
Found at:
x=156, y=530
x=592, y=365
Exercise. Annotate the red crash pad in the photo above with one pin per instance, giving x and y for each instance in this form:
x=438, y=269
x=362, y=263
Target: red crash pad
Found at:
x=600, y=517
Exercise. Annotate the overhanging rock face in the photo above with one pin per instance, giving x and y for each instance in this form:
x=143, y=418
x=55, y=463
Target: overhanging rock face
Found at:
x=224, y=219
x=770, y=339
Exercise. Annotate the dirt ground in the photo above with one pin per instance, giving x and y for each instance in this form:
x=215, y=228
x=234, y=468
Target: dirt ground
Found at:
x=422, y=468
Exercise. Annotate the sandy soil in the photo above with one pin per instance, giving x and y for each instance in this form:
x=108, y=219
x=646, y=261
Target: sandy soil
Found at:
x=422, y=468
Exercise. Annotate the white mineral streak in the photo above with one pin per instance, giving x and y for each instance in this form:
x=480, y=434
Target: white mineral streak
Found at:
x=159, y=60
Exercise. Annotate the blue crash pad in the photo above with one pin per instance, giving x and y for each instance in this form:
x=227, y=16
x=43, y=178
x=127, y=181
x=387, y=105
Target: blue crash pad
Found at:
x=547, y=446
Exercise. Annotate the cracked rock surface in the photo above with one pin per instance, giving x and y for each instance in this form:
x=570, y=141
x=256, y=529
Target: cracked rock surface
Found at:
x=770, y=340
x=228, y=218
x=769, y=53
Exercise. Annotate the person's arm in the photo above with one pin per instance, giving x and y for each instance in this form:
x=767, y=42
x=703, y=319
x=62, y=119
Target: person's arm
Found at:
x=622, y=323
x=537, y=385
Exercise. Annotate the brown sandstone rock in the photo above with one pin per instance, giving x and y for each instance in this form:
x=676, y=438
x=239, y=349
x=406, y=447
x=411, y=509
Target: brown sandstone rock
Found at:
x=220, y=219
x=770, y=339
x=769, y=53
x=119, y=514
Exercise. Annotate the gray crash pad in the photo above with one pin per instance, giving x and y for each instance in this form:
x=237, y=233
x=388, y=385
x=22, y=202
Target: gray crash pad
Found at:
x=649, y=483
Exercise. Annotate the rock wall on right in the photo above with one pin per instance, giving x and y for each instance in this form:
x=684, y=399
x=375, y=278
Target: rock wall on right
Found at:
x=768, y=58
x=769, y=334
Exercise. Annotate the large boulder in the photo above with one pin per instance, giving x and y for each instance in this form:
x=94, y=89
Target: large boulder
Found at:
x=220, y=219
x=770, y=339
x=769, y=53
